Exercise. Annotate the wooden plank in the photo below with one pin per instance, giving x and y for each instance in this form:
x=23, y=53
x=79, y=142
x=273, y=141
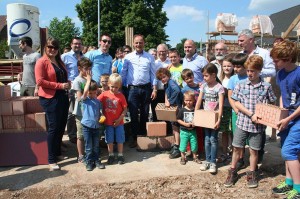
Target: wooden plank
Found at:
x=291, y=27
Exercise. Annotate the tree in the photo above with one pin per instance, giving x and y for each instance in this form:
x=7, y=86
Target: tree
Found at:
x=3, y=47
x=145, y=16
x=63, y=30
x=180, y=46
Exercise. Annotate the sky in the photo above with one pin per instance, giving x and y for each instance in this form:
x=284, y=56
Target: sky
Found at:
x=190, y=19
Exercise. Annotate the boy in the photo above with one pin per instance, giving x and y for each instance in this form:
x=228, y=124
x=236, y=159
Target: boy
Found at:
x=173, y=97
x=104, y=82
x=238, y=62
x=114, y=109
x=188, y=133
x=175, y=67
x=246, y=95
x=84, y=64
x=284, y=56
x=90, y=123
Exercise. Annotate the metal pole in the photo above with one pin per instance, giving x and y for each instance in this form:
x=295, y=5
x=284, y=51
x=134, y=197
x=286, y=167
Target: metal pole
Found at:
x=99, y=22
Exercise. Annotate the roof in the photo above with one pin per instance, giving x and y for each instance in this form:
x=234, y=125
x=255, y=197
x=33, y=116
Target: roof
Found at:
x=2, y=21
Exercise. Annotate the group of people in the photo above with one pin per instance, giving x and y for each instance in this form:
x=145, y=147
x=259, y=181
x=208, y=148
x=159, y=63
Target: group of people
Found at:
x=231, y=85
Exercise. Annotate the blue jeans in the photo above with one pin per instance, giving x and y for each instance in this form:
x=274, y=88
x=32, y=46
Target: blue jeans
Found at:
x=211, y=144
x=91, y=138
x=139, y=99
x=56, y=109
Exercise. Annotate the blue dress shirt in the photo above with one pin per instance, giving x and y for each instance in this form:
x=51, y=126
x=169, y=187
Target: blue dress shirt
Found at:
x=196, y=63
x=70, y=60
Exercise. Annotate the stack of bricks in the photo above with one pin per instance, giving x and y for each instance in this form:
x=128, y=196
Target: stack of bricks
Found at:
x=156, y=138
x=270, y=115
x=20, y=114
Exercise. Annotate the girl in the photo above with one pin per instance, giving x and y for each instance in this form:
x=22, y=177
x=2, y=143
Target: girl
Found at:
x=212, y=92
x=225, y=126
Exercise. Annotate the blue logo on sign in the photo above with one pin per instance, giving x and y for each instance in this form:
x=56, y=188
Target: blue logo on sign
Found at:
x=20, y=21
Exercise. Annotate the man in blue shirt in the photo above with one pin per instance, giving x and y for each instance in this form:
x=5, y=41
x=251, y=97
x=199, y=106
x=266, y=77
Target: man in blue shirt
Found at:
x=139, y=73
x=102, y=61
x=70, y=60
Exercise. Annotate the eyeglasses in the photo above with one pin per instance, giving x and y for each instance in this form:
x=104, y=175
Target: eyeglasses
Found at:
x=106, y=41
x=53, y=47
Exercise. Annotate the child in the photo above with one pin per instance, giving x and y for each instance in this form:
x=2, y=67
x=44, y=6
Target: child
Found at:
x=84, y=64
x=173, y=97
x=238, y=61
x=246, y=95
x=175, y=66
x=118, y=63
x=90, y=123
x=114, y=109
x=225, y=126
x=212, y=92
x=284, y=55
x=188, y=133
x=104, y=82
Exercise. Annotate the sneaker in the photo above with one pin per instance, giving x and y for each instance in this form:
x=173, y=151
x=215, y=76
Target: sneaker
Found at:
x=222, y=158
x=54, y=167
x=100, y=165
x=231, y=178
x=197, y=161
x=282, y=188
x=204, y=166
x=240, y=164
x=293, y=194
x=252, y=179
x=110, y=159
x=89, y=166
x=172, y=149
x=182, y=161
x=121, y=159
x=212, y=168
x=175, y=154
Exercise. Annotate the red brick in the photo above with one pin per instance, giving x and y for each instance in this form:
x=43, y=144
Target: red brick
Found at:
x=5, y=93
x=165, y=143
x=205, y=118
x=33, y=105
x=1, y=126
x=166, y=113
x=146, y=143
x=13, y=131
x=30, y=121
x=18, y=107
x=156, y=129
x=40, y=119
x=6, y=107
x=13, y=121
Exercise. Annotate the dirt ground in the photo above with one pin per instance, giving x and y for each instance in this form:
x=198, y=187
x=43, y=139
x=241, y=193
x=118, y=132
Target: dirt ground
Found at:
x=144, y=175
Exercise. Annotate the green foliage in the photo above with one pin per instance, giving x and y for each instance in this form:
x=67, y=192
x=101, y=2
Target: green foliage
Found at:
x=63, y=30
x=180, y=46
x=145, y=16
x=3, y=47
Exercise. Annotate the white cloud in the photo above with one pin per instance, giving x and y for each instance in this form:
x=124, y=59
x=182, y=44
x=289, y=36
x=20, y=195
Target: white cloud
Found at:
x=273, y=5
x=181, y=11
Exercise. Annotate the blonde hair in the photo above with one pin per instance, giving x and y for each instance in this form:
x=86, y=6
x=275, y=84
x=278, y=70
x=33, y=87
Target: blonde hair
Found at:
x=189, y=93
x=115, y=78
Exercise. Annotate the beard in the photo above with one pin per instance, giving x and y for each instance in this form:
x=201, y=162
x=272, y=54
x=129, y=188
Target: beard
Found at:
x=219, y=57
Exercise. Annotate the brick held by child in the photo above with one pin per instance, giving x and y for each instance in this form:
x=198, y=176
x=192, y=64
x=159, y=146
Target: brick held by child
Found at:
x=247, y=94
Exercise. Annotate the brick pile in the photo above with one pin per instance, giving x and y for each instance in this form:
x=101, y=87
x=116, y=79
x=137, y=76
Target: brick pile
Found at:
x=20, y=114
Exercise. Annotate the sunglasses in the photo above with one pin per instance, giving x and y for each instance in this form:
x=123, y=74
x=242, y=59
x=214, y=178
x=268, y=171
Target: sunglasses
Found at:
x=106, y=41
x=53, y=47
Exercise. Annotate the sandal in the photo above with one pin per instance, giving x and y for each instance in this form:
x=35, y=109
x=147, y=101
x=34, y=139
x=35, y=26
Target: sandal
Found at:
x=197, y=161
x=182, y=161
x=222, y=158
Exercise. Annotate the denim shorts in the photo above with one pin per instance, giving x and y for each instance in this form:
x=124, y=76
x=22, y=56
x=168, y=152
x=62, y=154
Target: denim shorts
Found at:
x=240, y=137
x=115, y=132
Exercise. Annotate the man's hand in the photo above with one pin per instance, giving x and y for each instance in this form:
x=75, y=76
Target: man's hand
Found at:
x=282, y=124
x=153, y=95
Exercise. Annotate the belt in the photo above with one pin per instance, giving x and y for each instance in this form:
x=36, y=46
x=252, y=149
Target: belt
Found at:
x=143, y=86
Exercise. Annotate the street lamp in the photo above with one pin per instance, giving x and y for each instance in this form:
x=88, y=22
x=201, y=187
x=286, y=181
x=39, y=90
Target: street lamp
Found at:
x=99, y=22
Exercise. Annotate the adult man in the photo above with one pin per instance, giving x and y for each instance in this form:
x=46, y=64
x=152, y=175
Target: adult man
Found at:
x=102, y=61
x=139, y=73
x=193, y=61
x=220, y=52
x=246, y=40
x=162, y=62
x=27, y=77
x=70, y=59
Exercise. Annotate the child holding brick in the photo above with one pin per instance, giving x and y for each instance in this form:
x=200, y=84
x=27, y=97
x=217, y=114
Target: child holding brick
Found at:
x=188, y=133
x=84, y=64
x=173, y=97
x=90, y=123
x=246, y=95
x=212, y=92
x=114, y=109
x=284, y=56
x=175, y=67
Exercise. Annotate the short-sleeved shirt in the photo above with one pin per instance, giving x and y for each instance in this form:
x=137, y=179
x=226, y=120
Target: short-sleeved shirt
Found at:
x=91, y=113
x=195, y=63
x=29, y=61
x=289, y=83
x=176, y=74
x=234, y=80
x=160, y=64
x=211, y=96
x=186, y=116
x=70, y=60
x=113, y=106
x=196, y=90
x=249, y=95
x=173, y=93
x=78, y=85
